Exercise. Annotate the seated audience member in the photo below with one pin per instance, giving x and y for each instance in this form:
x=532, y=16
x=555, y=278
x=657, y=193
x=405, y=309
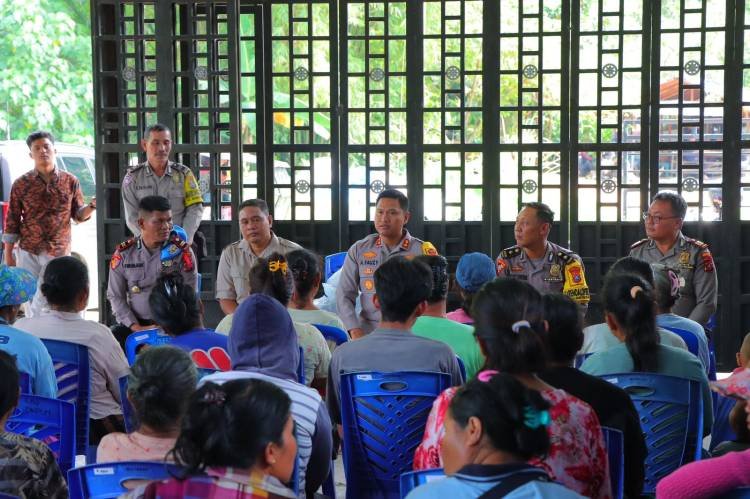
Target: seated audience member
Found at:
x=599, y=337
x=612, y=404
x=17, y=286
x=237, y=440
x=709, y=477
x=509, y=325
x=66, y=287
x=728, y=432
x=630, y=311
x=159, y=385
x=271, y=277
x=473, y=271
x=667, y=292
x=402, y=288
x=305, y=268
x=177, y=309
x=263, y=345
x=29, y=468
x=434, y=324
x=493, y=427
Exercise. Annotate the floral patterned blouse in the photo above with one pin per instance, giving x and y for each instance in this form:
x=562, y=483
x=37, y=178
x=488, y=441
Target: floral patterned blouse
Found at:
x=577, y=457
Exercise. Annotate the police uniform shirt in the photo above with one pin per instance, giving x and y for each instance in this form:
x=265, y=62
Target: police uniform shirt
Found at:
x=558, y=271
x=357, y=276
x=694, y=265
x=178, y=185
x=133, y=271
x=233, y=275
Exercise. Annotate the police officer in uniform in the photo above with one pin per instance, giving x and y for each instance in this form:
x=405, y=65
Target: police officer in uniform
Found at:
x=258, y=241
x=160, y=177
x=549, y=268
x=357, y=273
x=139, y=261
x=691, y=259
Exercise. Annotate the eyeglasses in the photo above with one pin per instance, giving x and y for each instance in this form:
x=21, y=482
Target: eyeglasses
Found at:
x=657, y=219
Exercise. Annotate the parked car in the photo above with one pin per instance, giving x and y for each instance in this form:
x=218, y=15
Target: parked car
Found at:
x=78, y=160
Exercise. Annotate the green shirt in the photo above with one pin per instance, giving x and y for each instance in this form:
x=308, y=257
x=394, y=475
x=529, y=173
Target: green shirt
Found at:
x=459, y=337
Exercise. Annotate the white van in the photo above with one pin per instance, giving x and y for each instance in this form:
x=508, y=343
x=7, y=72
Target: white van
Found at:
x=78, y=160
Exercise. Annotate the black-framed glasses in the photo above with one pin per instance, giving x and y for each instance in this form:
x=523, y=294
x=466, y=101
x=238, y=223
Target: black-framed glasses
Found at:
x=655, y=218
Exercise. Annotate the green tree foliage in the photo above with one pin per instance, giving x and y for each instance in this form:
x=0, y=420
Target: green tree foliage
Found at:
x=46, y=68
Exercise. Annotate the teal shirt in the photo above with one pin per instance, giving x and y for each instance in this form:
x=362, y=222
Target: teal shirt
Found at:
x=672, y=362
x=459, y=337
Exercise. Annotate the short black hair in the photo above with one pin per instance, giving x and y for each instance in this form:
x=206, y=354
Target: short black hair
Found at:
x=231, y=424
x=255, y=203
x=156, y=127
x=401, y=285
x=65, y=278
x=403, y=201
x=543, y=212
x=632, y=265
x=677, y=202
x=439, y=267
x=174, y=304
x=276, y=283
x=39, y=134
x=150, y=204
x=502, y=404
x=8, y=388
x=564, y=334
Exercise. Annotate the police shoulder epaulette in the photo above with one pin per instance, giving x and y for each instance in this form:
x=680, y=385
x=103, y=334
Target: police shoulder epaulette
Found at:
x=179, y=242
x=126, y=244
x=695, y=242
x=638, y=243
x=510, y=252
x=565, y=256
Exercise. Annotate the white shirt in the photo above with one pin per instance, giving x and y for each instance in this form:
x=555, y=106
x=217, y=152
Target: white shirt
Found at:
x=106, y=358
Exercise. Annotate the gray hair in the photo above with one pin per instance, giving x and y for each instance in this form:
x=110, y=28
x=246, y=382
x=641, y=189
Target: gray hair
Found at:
x=159, y=385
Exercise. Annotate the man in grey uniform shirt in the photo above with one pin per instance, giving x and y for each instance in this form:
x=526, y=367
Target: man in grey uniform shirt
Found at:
x=549, y=268
x=160, y=177
x=258, y=241
x=364, y=257
x=689, y=258
x=138, y=262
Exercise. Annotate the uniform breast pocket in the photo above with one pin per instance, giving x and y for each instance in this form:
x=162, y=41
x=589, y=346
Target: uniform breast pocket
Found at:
x=241, y=285
x=686, y=282
x=136, y=278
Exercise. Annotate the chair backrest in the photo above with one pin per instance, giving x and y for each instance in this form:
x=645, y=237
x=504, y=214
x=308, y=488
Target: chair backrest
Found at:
x=24, y=382
x=383, y=416
x=333, y=333
x=738, y=493
x=580, y=358
x=301, y=366
x=722, y=431
x=51, y=421
x=147, y=337
x=461, y=368
x=414, y=479
x=73, y=373
x=616, y=456
x=106, y=480
x=670, y=410
x=690, y=339
x=333, y=263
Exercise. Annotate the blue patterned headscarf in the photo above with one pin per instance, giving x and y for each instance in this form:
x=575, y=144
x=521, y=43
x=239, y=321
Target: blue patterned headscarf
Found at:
x=17, y=285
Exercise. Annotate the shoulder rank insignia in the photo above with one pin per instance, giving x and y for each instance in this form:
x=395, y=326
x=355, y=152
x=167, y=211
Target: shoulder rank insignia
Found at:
x=429, y=249
x=126, y=244
x=510, y=252
x=638, y=243
x=565, y=257
x=695, y=242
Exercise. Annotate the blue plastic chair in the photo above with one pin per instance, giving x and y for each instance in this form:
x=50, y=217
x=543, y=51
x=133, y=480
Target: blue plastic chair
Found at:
x=106, y=480
x=690, y=339
x=670, y=410
x=462, y=368
x=383, y=416
x=50, y=420
x=614, y=441
x=333, y=263
x=738, y=493
x=721, y=431
x=8, y=496
x=414, y=479
x=333, y=333
x=301, y=366
x=71, y=362
x=581, y=358
x=148, y=337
